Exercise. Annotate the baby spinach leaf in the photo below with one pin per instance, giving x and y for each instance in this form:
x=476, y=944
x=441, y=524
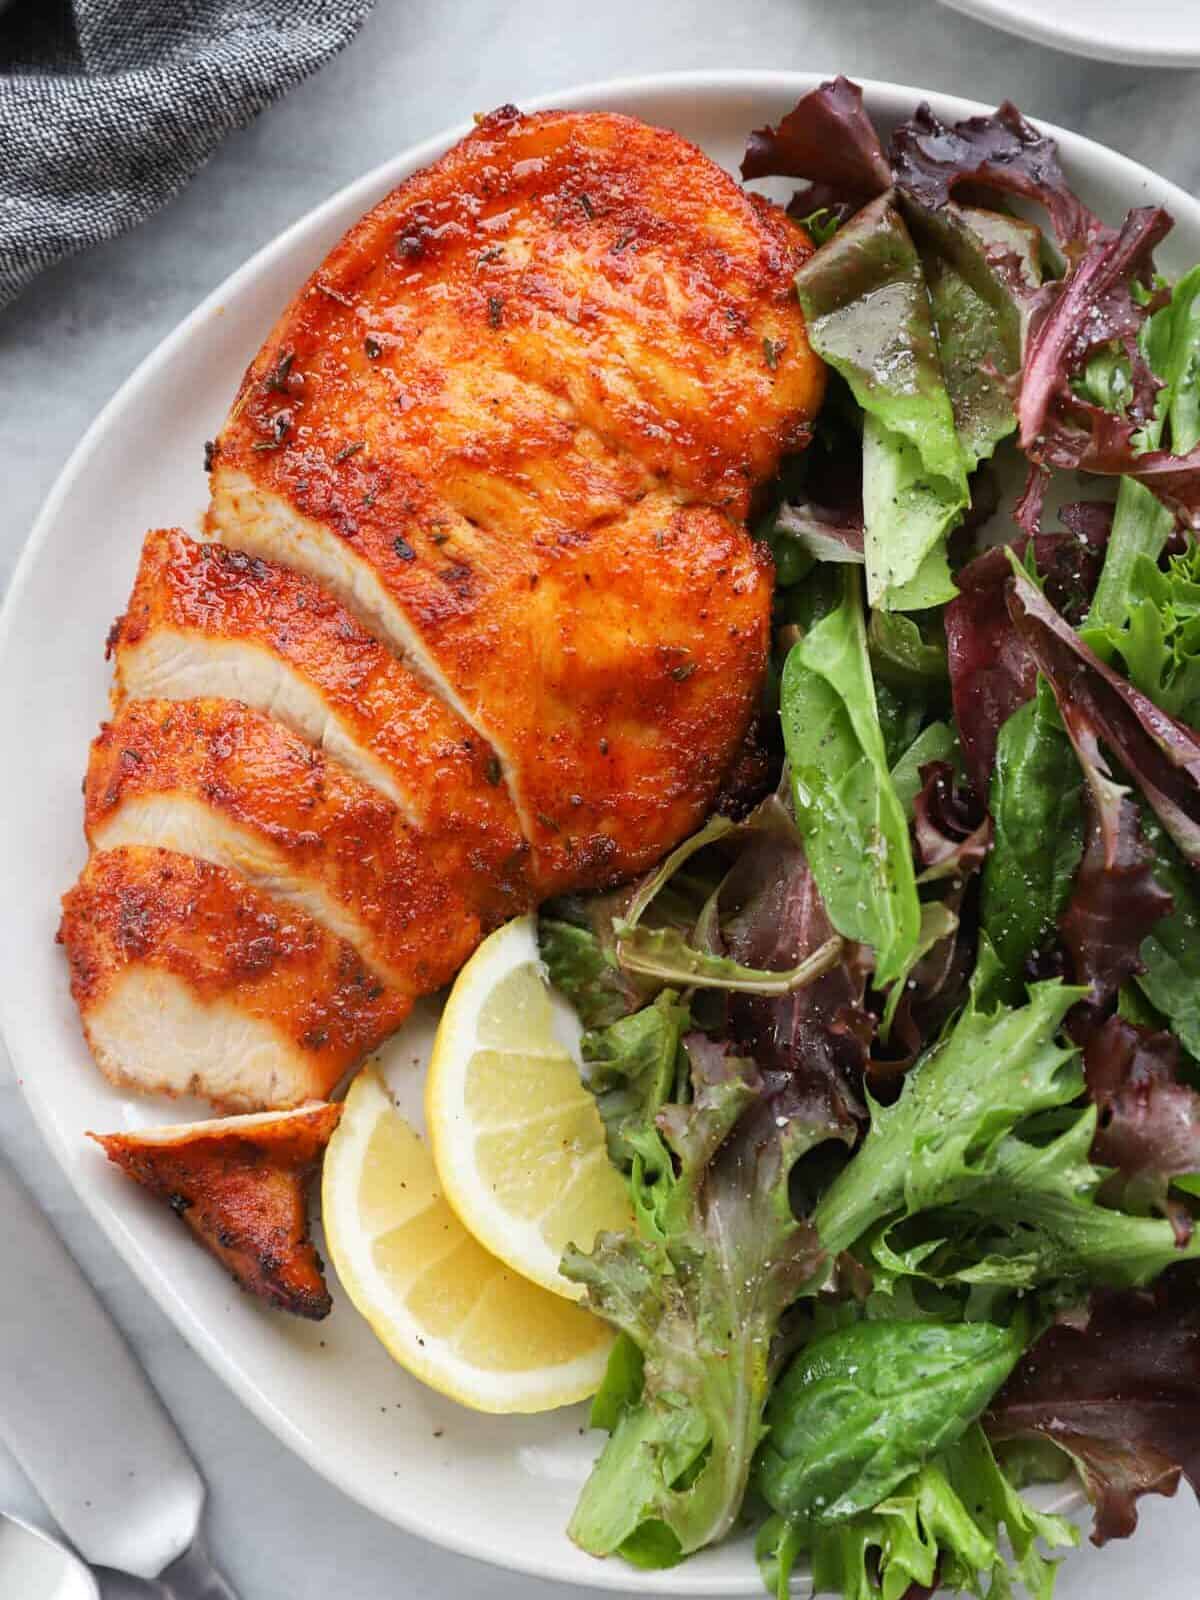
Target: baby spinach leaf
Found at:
x=1037, y=808
x=861, y=1408
x=854, y=828
x=1171, y=951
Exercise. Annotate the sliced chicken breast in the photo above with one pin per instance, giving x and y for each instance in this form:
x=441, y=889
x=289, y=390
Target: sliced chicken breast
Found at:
x=188, y=981
x=204, y=621
x=218, y=781
x=240, y=1184
x=514, y=423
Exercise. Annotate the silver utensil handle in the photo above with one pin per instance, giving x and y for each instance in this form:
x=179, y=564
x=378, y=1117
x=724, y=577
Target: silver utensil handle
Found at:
x=193, y=1577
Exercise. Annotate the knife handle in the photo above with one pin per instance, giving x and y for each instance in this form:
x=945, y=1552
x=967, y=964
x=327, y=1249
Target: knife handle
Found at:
x=193, y=1577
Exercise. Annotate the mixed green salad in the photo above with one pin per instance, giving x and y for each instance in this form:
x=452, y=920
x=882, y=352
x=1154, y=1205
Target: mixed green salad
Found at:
x=900, y=1055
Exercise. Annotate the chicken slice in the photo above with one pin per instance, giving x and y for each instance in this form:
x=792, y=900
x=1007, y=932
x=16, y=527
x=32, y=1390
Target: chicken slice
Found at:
x=204, y=621
x=188, y=981
x=514, y=423
x=240, y=1184
x=215, y=780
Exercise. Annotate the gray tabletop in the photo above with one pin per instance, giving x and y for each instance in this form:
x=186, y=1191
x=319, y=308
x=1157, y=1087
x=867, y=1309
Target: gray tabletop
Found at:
x=418, y=66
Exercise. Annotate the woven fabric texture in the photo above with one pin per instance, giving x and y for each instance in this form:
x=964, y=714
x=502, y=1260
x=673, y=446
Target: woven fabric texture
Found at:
x=107, y=107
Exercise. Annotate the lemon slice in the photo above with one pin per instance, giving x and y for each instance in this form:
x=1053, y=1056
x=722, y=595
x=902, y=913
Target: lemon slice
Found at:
x=453, y=1315
x=516, y=1137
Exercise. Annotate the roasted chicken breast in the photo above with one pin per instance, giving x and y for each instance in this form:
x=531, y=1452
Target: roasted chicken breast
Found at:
x=478, y=619
x=189, y=981
x=514, y=423
x=216, y=780
x=205, y=622
x=240, y=1185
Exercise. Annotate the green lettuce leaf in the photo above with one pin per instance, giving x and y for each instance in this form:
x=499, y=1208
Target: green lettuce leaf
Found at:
x=978, y=324
x=991, y=1071
x=906, y=517
x=1036, y=804
x=634, y=1067
x=702, y=1302
x=943, y=1524
x=1141, y=524
x=1141, y=527
x=577, y=944
x=854, y=828
x=1029, y=1216
x=868, y=313
x=1159, y=637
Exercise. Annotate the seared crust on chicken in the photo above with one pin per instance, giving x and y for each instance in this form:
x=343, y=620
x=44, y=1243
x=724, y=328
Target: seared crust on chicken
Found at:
x=514, y=423
x=213, y=779
x=188, y=981
x=204, y=621
x=480, y=621
x=240, y=1185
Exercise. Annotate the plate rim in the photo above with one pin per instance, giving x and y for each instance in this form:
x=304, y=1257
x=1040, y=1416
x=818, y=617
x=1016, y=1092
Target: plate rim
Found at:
x=360, y=191
x=995, y=13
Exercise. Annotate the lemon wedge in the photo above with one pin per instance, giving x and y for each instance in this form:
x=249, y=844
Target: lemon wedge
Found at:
x=445, y=1309
x=516, y=1136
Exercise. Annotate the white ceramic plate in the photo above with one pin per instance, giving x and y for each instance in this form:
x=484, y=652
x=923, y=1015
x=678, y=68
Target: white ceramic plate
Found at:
x=497, y=1488
x=1150, y=33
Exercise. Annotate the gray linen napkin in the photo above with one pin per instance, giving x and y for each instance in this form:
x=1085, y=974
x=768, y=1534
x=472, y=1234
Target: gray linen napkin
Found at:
x=108, y=106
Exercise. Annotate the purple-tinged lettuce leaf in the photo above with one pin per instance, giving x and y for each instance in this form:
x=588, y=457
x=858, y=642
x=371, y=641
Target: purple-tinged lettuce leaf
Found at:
x=690, y=954
x=1149, y=1126
x=951, y=829
x=991, y=669
x=828, y=139
x=1116, y=900
x=1093, y=307
x=1001, y=154
x=702, y=1303
x=951, y=837
x=826, y=533
x=1161, y=754
x=820, y=1034
x=1121, y=1397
